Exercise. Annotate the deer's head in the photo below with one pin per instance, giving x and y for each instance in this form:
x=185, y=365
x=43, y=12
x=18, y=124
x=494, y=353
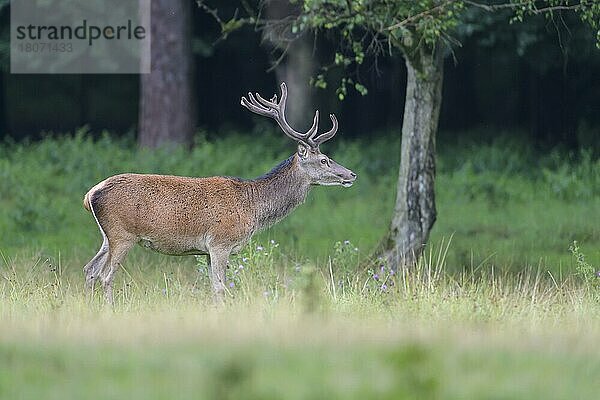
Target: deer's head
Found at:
x=320, y=169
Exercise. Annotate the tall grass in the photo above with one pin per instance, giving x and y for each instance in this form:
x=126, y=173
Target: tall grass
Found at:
x=293, y=329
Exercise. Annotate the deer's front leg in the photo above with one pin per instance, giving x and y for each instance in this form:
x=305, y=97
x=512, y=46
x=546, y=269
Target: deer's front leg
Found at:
x=218, y=264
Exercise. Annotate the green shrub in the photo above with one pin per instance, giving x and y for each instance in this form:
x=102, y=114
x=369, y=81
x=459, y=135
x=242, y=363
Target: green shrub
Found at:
x=589, y=274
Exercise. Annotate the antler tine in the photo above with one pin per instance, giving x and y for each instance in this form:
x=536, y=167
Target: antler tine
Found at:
x=256, y=107
x=269, y=103
x=329, y=134
x=283, y=100
x=313, y=130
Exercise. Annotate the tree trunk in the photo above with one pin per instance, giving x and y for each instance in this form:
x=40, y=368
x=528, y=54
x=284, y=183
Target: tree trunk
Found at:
x=297, y=67
x=167, y=106
x=83, y=101
x=3, y=122
x=296, y=71
x=415, y=213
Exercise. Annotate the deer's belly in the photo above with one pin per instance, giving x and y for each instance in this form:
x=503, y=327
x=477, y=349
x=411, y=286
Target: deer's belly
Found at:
x=179, y=247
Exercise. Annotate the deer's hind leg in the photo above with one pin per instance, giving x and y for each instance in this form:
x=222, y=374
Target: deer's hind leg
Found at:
x=96, y=265
x=93, y=268
x=118, y=249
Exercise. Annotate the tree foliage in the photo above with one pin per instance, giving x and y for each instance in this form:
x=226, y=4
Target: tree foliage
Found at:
x=376, y=27
x=364, y=28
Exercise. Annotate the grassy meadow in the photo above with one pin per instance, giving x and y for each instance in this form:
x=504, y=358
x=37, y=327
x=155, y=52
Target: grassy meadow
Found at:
x=499, y=308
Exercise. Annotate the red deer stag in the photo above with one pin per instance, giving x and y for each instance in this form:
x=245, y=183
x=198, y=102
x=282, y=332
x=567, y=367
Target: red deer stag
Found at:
x=212, y=216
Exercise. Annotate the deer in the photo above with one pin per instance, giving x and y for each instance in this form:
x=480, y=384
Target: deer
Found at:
x=212, y=216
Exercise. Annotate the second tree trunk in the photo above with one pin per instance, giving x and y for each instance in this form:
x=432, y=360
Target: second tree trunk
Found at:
x=415, y=212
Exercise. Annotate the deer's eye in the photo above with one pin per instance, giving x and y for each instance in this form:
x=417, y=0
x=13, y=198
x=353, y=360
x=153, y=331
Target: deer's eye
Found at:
x=323, y=161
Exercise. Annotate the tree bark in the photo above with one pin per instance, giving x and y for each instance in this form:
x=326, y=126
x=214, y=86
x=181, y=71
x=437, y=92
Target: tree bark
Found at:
x=297, y=67
x=414, y=212
x=3, y=122
x=167, y=101
x=83, y=101
x=296, y=71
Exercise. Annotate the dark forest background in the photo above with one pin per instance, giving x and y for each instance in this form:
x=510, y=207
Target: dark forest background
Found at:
x=539, y=79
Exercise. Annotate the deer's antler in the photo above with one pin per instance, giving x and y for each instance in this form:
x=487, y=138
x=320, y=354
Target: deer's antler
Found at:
x=276, y=110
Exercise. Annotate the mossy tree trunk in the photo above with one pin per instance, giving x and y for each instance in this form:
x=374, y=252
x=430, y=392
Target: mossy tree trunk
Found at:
x=415, y=212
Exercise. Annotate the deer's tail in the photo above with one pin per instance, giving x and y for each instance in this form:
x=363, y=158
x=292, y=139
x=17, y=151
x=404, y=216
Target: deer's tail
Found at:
x=86, y=201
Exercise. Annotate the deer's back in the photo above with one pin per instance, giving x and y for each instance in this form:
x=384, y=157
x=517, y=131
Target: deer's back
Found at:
x=161, y=207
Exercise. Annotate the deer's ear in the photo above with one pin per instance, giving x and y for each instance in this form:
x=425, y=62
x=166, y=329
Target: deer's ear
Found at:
x=302, y=151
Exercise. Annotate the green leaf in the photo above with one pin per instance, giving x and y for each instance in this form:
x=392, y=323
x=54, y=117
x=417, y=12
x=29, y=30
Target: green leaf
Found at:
x=361, y=89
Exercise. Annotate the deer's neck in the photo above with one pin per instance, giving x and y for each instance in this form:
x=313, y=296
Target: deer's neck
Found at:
x=278, y=192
